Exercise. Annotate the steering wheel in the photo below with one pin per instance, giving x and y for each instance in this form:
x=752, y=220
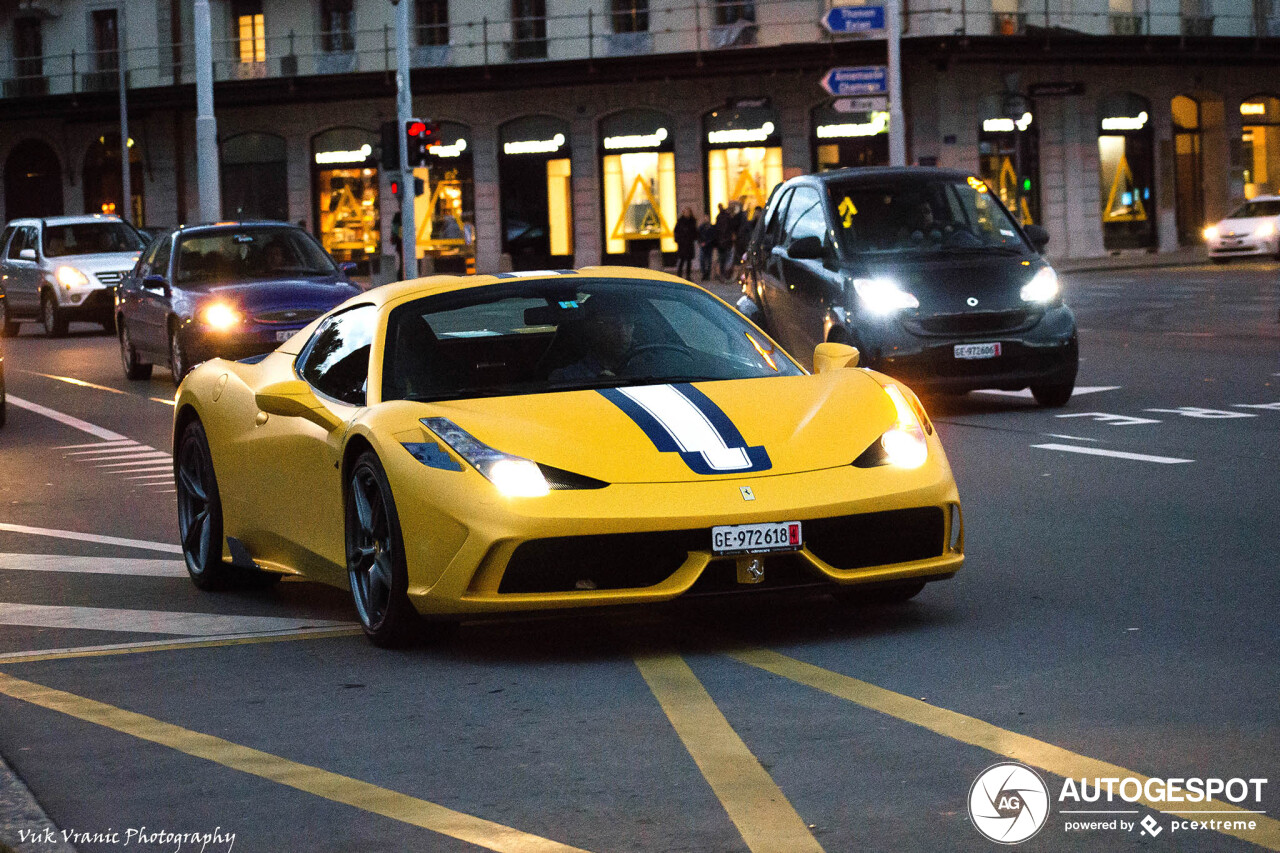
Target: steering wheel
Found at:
x=643, y=349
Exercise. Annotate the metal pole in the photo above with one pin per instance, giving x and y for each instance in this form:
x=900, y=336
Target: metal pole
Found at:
x=126, y=179
x=897, y=120
x=207, y=186
x=404, y=111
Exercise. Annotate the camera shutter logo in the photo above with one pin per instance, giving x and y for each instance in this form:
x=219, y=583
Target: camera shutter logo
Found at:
x=1008, y=803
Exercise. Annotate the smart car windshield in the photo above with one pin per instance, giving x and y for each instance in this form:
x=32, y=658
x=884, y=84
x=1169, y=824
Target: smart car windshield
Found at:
x=567, y=334
x=1268, y=207
x=90, y=238
x=249, y=254
x=915, y=217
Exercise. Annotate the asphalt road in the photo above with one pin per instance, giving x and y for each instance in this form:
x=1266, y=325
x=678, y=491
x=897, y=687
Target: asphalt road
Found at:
x=1116, y=617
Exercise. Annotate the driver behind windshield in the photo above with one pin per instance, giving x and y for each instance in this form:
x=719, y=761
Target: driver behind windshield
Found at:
x=603, y=337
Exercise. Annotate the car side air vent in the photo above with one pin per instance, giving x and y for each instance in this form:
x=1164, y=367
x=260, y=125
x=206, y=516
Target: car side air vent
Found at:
x=560, y=479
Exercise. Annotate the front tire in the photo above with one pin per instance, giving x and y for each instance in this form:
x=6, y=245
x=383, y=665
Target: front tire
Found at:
x=376, y=564
x=134, y=366
x=1053, y=396
x=200, y=511
x=177, y=358
x=7, y=329
x=54, y=320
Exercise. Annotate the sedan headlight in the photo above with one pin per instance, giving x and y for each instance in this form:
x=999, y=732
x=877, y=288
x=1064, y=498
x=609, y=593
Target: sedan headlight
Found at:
x=70, y=277
x=883, y=296
x=1043, y=287
x=1211, y=233
x=1265, y=230
x=514, y=476
x=220, y=316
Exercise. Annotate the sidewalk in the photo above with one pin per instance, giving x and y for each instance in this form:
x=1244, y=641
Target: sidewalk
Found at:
x=20, y=811
x=1133, y=259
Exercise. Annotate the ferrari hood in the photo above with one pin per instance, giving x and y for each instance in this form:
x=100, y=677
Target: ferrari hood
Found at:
x=684, y=432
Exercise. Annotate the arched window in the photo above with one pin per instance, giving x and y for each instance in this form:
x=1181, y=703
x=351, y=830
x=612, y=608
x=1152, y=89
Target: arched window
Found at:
x=344, y=181
x=32, y=181
x=1188, y=167
x=638, y=182
x=744, y=156
x=254, y=177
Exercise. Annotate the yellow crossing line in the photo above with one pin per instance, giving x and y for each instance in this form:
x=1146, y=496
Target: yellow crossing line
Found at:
x=970, y=730
x=303, y=777
x=173, y=645
x=765, y=818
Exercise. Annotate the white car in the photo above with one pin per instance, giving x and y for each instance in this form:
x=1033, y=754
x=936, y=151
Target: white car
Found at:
x=63, y=268
x=1254, y=229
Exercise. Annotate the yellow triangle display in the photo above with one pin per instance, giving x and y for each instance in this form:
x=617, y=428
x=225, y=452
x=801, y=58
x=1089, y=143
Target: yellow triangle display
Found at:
x=746, y=182
x=652, y=219
x=1008, y=182
x=1136, y=212
x=428, y=224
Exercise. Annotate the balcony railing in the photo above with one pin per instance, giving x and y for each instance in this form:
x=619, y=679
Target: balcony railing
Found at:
x=687, y=26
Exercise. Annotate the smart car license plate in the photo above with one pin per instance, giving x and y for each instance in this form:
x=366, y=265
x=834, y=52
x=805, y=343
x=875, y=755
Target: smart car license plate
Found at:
x=977, y=350
x=284, y=335
x=756, y=538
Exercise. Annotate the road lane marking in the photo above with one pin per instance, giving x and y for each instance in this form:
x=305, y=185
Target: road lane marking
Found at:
x=71, y=380
x=292, y=774
x=150, y=459
x=164, y=401
x=66, y=420
x=976, y=732
x=1026, y=392
x=150, y=621
x=1071, y=437
x=141, y=646
x=1117, y=454
x=160, y=478
x=103, y=448
x=91, y=537
x=764, y=817
x=93, y=565
x=119, y=442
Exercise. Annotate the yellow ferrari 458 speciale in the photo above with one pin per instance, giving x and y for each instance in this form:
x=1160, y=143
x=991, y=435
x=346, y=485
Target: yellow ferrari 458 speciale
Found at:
x=522, y=441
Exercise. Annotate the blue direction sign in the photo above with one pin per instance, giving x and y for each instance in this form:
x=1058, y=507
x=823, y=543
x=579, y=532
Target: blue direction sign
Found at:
x=854, y=19
x=856, y=80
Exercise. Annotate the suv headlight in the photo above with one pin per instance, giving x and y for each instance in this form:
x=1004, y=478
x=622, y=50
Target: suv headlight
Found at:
x=1042, y=288
x=883, y=296
x=514, y=476
x=70, y=277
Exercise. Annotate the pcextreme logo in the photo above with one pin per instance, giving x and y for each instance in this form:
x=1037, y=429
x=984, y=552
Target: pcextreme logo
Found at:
x=1008, y=802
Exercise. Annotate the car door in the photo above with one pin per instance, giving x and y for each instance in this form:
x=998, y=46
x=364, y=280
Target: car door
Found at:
x=808, y=284
x=148, y=312
x=296, y=460
x=9, y=231
x=770, y=290
x=23, y=284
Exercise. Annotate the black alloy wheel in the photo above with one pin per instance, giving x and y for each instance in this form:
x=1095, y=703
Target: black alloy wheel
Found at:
x=7, y=329
x=1053, y=396
x=55, y=322
x=376, y=564
x=199, y=510
x=134, y=366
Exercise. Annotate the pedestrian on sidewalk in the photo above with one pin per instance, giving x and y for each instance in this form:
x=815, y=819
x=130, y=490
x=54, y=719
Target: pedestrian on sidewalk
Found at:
x=707, y=242
x=724, y=241
x=686, y=235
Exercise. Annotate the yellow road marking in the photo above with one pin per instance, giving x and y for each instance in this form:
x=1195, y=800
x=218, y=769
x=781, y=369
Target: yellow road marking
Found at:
x=303, y=777
x=970, y=730
x=755, y=804
x=170, y=645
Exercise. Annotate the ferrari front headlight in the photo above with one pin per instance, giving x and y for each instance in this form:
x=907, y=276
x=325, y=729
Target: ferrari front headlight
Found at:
x=1042, y=288
x=905, y=445
x=513, y=476
x=70, y=277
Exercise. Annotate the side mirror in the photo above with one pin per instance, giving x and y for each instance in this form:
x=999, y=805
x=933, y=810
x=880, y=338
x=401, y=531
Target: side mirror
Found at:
x=1037, y=235
x=348, y=267
x=833, y=356
x=294, y=398
x=807, y=248
x=156, y=282
x=27, y=254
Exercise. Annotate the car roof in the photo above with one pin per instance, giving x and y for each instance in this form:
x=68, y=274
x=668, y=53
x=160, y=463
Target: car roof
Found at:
x=233, y=225
x=879, y=174
x=65, y=220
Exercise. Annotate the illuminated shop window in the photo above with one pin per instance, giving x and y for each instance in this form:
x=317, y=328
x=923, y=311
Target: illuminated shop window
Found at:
x=1126, y=172
x=535, y=183
x=445, y=212
x=1009, y=158
x=1260, y=133
x=744, y=156
x=345, y=189
x=639, y=182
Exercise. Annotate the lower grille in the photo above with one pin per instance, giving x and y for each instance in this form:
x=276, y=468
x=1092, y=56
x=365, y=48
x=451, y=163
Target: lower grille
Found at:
x=975, y=323
x=877, y=538
x=292, y=316
x=606, y=561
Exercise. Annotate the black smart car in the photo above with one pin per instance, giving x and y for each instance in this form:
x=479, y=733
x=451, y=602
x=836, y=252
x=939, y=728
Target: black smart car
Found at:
x=923, y=270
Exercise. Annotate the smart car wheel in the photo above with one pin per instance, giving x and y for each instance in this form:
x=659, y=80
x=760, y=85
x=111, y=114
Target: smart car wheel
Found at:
x=1053, y=396
x=375, y=556
x=200, y=511
x=55, y=322
x=134, y=367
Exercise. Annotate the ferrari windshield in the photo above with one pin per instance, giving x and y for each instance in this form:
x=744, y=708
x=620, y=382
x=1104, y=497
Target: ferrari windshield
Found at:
x=912, y=217
x=232, y=256
x=90, y=238
x=568, y=333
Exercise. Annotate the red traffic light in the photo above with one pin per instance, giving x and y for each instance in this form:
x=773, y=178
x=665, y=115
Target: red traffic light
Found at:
x=416, y=128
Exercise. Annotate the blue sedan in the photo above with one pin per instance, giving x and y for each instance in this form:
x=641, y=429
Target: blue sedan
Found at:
x=231, y=290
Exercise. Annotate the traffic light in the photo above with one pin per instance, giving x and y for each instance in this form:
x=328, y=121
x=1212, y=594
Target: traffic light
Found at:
x=391, y=146
x=420, y=135
x=418, y=187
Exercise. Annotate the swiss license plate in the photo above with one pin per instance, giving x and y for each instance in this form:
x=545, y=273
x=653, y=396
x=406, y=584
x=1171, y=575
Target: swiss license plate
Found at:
x=756, y=538
x=977, y=350
x=284, y=335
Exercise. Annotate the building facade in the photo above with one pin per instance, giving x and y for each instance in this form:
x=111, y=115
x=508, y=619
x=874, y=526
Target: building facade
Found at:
x=575, y=131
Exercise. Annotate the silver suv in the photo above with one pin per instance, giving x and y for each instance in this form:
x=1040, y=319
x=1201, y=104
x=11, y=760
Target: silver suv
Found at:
x=64, y=268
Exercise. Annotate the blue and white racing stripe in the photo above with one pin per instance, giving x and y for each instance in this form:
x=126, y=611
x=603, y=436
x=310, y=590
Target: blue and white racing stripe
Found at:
x=681, y=419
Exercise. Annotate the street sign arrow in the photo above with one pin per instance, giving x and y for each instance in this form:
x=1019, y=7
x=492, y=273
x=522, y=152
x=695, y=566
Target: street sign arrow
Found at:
x=856, y=80
x=853, y=19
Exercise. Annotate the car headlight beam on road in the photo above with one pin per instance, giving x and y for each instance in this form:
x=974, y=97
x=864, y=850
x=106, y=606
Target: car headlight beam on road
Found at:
x=1042, y=288
x=883, y=296
x=70, y=277
x=220, y=316
x=514, y=476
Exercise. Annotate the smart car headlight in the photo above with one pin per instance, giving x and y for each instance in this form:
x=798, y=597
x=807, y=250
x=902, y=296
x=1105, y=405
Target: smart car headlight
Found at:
x=1042, y=288
x=514, y=476
x=883, y=296
x=1211, y=233
x=220, y=316
x=70, y=277
x=1265, y=230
